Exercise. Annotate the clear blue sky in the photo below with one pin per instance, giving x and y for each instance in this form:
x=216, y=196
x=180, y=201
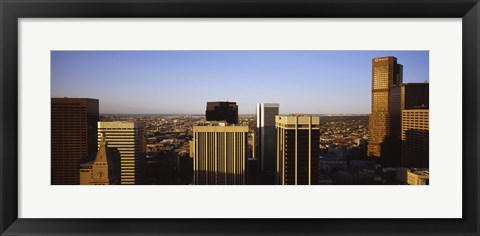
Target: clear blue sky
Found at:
x=160, y=82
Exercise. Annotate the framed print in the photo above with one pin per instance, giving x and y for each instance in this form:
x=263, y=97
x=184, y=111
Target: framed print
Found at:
x=257, y=117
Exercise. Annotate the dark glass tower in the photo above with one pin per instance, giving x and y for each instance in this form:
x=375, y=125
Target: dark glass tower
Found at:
x=405, y=97
x=222, y=111
x=266, y=140
x=402, y=97
x=297, y=150
x=74, y=123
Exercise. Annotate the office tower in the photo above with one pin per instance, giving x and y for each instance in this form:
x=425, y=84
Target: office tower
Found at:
x=103, y=169
x=298, y=149
x=73, y=136
x=401, y=97
x=220, y=155
x=415, y=138
x=129, y=138
x=386, y=73
x=266, y=139
x=222, y=111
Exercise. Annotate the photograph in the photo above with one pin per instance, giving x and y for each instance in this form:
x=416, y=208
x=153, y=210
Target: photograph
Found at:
x=239, y=117
x=276, y=117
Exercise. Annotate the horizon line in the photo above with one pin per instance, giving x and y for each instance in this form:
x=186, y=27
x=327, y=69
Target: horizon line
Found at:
x=197, y=114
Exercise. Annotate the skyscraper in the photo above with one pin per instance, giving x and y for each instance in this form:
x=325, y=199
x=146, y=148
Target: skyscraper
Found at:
x=298, y=150
x=266, y=138
x=386, y=73
x=129, y=138
x=401, y=97
x=222, y=111
x=73, y=136
x=220, y=155
x=415, y=138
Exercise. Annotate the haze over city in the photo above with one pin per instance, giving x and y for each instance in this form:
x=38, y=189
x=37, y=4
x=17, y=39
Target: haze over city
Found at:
x=240, y=118
x=181, y=82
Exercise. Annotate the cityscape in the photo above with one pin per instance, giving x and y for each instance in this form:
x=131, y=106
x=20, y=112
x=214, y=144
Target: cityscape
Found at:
x=215, y=142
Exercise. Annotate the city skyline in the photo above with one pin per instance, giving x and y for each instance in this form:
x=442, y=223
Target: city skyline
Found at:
x=389, y=146
x=180, y=82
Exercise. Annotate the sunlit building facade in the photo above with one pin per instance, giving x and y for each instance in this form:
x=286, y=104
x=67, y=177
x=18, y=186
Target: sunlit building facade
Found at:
x=415, y=138
x=104, y=169
x=73, y=136
x=220, y=155
x=129, y=138
x=412, y=176
x=418, y=177
x=403, y=97
x=386, y=73
x=298, y=150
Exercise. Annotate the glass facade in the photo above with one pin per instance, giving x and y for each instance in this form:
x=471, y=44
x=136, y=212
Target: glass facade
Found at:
x=298, y=139
x=73, y=135
x=386, y=74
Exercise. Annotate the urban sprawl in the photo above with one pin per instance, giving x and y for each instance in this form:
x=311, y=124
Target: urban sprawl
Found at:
x=220, y=147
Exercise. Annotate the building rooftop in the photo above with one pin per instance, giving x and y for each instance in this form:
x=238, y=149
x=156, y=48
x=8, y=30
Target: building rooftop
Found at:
x=420, y=171
x=231, y=128
x=269, y=104
x=297, y=119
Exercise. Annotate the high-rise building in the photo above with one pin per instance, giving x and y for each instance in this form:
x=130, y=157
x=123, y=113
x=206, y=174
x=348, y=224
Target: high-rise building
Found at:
x=103, y=169
x=220, y=155
x=298, y=149
x=129, y=138
x=266, y=138
x=401, y=97
x=222, y=111
x=415, y=138
x=73, y=136
x=386, y=74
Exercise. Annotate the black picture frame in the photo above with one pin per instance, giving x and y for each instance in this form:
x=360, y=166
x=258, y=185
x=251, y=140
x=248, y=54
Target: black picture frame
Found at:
x=11, y=11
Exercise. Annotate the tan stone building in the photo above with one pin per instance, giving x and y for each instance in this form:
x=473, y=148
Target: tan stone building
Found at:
x=220, y=155
x=418, y=177
x=413, y=176
x=103, y=170
x=128, y=137
x=415, y=138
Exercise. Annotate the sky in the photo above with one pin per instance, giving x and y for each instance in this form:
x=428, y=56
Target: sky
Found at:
x=181, y=82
